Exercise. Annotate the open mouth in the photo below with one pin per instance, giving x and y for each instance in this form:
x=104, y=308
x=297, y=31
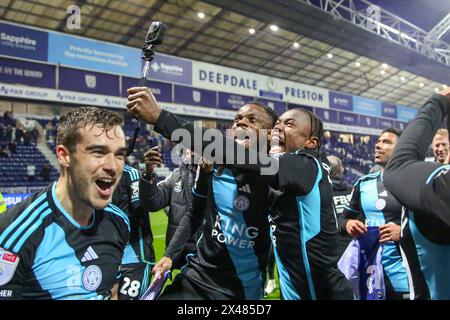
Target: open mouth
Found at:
x=105, y=186
x=241, y=137
x=276, y=144
x=243, y=141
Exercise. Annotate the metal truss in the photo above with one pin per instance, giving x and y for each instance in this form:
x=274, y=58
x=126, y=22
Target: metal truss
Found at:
x=374, y=19
x=441, y=28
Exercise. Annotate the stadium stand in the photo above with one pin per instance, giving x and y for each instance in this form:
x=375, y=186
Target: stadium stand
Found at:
x=356, y=151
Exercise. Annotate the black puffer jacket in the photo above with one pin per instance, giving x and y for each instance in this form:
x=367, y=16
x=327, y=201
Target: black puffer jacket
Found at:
x=174, y=192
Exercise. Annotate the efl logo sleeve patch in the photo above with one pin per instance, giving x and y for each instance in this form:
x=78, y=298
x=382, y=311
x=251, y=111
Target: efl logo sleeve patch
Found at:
x=8, y=265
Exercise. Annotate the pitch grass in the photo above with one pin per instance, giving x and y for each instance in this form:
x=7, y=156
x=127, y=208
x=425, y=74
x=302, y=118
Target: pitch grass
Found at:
x=158, y=221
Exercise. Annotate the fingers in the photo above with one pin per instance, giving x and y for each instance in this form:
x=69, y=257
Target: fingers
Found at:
x=152, y=157
x=137, y=95
x=136, y=98
x=152, y=163
x=132, y=106
x=203, y=160
x=357, y=231
x=143, y=105
x=158, y=268
x=385, y=236
x=360, y=227
x=162, y=266
x=390, y=232
x=134, y=90
x=206, y=165
x=140, y=93
x=152, y=152
x=384, y=229
x=356, y=228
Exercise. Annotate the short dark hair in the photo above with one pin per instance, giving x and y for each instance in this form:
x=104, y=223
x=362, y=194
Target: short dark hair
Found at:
x=269, y=111
x=67, y=131
x=395, y=131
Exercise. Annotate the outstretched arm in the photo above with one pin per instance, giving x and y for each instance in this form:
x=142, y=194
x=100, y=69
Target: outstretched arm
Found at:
x=288, y=171
x=142, y=104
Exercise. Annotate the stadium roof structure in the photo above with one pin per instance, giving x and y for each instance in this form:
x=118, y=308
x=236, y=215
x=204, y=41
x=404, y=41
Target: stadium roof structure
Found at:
x=336, y=44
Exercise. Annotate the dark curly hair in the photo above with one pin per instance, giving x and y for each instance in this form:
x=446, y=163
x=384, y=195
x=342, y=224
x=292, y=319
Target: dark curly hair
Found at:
x=316, y=126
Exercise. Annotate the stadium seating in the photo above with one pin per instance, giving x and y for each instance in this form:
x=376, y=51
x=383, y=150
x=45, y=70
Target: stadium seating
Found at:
x=13, y=171
x=357, y=156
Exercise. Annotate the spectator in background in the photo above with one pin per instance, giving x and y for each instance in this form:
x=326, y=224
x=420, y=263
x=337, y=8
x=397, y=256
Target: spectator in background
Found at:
x=34, y=135
x=19, y=134
x=50, y=133
x=341, y=197
x=45, y=172
x=5, y=152
x=3, y=139
x=8, y=118
x=27, y=137
x=9, y=136
x=174, y=192
x=31, y=172
x=29, y=124
x=441, y=145
x=9, y=133
x=371, y=205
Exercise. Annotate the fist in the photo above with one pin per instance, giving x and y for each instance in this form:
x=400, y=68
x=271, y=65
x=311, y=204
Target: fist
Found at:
x=152, y=158
x=143, y=105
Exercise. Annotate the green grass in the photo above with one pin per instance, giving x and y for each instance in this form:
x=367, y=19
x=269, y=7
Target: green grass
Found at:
x=158, y=221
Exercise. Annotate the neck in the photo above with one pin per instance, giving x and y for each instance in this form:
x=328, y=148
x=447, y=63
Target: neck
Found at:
x=66, y=196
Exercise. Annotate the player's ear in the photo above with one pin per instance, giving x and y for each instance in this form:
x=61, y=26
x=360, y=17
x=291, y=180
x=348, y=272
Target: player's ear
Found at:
x=63, y=155
x=312, y=143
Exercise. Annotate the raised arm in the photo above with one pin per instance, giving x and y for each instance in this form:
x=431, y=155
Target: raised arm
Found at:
x=142, y=104
x=297, y=171
x=419, y=185
x=155, y=196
